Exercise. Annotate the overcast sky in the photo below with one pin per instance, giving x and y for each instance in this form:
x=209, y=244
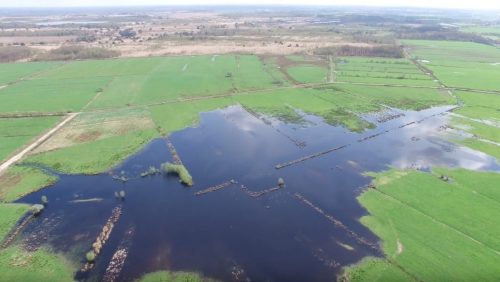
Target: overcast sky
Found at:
x=461, y=4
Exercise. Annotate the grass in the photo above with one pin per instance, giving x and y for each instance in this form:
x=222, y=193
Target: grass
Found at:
x=169, y=276
x=381, y=71
x=16, y=132
x=94, y=157
x=308, y=73
x=439, y=224
x=176, y=116
x=9, y=215
x=460, y=64
x=138, y=81
x=484, y=107
x=17, y=264
x=488, y=148
x=181, y=171
x=341, y=117
x=480, y=130
x=13, y=72
x=19, y=181
x=50, y=95
x=187, y=77
x=480, y=106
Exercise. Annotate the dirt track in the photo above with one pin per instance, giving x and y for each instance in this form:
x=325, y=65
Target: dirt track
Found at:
x=35, y=144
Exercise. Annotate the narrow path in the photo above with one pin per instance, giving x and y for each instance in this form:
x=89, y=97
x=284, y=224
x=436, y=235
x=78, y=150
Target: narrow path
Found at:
x=36, y=143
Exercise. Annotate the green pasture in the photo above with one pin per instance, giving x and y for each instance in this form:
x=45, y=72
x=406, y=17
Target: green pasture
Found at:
x=16, y=132
x=381, y=71
x=429, y=227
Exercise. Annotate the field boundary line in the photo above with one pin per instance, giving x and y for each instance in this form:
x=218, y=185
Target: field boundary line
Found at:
x=36, y=143
x=297, y=86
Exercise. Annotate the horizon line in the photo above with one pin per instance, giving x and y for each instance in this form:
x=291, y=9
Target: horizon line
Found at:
x=253, y=5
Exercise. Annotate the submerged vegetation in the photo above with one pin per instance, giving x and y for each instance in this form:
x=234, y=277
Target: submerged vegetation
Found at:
x=180, y=170
x=169, y=276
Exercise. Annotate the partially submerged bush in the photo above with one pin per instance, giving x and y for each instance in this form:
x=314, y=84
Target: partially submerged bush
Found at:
x=180, y=170
x=66, y=53
x=90, y=256
x=37, y=209
x=44, y=200
x=151, y=171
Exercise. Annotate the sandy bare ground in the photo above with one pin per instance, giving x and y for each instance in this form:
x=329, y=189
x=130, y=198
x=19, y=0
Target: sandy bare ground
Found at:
x=33, y=145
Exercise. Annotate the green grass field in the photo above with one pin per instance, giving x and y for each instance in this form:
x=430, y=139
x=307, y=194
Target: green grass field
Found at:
x=94, y=157
x=459, y=64
x=16, y=264
x=10, y=73
x=9, y=215
x=429, y=227
x=480, y=116
x=17, y=132
x=20, y=181
x=381, y=71
x=308, y=74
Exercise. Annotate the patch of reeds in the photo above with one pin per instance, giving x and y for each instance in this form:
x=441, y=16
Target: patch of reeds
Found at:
x=180, y=170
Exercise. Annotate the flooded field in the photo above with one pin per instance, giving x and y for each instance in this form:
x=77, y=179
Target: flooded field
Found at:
x=237, y=223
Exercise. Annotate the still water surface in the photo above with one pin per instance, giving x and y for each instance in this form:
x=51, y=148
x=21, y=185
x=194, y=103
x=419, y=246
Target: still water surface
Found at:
x=304, y=232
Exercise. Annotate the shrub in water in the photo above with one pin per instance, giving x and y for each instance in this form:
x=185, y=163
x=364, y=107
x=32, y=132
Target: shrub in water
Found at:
x=181, y=171
x=90, y=256
x=45, y=200
x=37, y=209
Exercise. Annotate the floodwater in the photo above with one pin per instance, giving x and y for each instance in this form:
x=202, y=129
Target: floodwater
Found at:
x=305, y=231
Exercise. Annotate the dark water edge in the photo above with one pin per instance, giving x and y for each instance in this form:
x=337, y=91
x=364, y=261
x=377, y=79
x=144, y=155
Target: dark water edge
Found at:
x=297, y=233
